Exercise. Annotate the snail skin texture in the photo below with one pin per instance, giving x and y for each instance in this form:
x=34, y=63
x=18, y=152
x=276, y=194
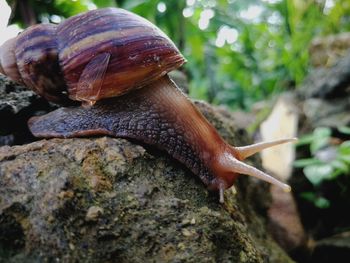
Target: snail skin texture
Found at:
x=116, y=63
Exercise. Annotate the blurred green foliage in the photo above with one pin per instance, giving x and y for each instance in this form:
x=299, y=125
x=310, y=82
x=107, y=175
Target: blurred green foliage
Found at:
x=238, y=51
x=328, y=163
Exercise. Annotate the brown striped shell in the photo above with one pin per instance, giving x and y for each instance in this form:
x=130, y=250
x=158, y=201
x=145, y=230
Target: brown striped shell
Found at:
x=98, y=54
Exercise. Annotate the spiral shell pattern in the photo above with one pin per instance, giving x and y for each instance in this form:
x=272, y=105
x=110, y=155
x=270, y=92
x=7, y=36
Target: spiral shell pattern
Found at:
x=111, y=49
x=37, y=61
x=8, y=64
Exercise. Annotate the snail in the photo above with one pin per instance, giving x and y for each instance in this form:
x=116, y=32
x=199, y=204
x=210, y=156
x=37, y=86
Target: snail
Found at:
x=115, y=63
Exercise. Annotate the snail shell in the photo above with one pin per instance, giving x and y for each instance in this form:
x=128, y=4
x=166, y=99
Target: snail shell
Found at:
x=98, y=54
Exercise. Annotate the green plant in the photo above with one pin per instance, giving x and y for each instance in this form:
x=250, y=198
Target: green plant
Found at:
x=327, y=163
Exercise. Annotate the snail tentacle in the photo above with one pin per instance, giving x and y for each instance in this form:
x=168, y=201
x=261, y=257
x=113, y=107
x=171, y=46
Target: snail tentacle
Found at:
x=235, y=166
x=246, y=151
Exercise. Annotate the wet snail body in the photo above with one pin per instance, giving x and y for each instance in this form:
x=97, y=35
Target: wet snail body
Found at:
x=116, y=64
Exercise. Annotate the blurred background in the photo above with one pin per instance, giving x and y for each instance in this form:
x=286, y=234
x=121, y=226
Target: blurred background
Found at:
x=282, y=68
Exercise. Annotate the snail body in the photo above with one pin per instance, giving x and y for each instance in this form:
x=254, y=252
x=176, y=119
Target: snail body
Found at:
x=117, y=63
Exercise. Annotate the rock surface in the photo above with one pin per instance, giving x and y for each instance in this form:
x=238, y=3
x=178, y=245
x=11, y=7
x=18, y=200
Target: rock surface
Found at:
x=326, y=51
x=326, y=95
x=111, y=200
x=328, y=82
x=17, y=104
x=332, y=249
x=284, y=221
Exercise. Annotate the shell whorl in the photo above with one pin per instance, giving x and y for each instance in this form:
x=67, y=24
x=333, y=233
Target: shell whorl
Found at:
x=31, y=59
x=37, y=61
x=139, y=51
x=8, y=65
x=110, y=49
